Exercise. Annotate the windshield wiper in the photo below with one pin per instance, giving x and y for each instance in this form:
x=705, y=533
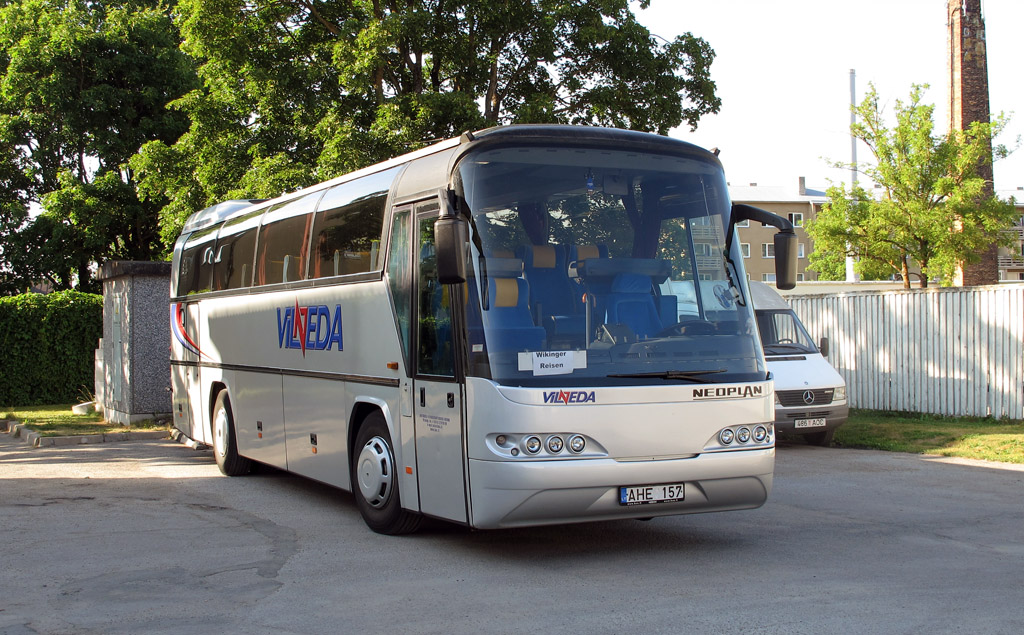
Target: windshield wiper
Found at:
x=688, y=375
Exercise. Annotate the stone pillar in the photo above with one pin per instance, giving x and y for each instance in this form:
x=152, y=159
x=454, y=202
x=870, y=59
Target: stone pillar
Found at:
x=968, y=102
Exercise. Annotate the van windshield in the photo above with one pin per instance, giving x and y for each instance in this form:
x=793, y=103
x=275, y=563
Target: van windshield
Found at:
x=603, y=267
x=783, y=334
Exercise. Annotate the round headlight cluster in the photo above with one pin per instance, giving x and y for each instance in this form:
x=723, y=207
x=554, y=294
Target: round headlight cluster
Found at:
x=554, y=444
x=743, y=435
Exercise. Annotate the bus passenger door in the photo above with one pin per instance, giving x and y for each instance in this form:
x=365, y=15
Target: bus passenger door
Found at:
x=437, y=395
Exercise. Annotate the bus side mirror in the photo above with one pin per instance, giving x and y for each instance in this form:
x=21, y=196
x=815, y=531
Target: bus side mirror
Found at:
x=823, y=347
x=785, y=241
x=785, y=259
x=451, y=232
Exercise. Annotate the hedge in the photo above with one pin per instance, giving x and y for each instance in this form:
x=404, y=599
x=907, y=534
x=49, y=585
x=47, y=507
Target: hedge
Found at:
x=46, y=347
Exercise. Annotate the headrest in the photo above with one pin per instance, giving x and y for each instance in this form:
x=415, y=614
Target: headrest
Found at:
x=504, y=291
x=587, y=251
x=631, y=283
x=543, y=257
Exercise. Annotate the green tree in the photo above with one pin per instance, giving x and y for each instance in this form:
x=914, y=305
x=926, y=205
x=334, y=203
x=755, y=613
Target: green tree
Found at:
x=83, y=86
x=298, y=91
x=934, y=209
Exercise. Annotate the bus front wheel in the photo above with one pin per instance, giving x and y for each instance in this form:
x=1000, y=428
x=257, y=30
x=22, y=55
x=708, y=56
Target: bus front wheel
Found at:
x=224, y=447
x=375, y=480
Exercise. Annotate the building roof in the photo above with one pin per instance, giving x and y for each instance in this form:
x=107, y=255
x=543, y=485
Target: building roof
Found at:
x=755, y=193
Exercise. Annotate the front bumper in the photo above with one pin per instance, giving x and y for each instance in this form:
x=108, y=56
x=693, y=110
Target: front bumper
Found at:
x=522, y=493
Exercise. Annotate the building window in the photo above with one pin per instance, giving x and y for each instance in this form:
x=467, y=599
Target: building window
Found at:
x=745, y=249
x=767, y=277
x=767, y=250
x=797, y=219
x=800, y=250
x=799, y=277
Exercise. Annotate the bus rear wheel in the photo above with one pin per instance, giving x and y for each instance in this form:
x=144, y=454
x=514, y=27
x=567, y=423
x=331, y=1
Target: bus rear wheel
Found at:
x=224, y=447
x=375, y=480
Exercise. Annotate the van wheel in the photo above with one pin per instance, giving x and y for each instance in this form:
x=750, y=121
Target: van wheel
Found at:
x=375, y=480
x=824, y=439
x=224, y=447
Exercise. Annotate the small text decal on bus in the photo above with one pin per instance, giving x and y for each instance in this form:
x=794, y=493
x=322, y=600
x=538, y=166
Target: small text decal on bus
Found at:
x=569, y=396
x=729, y=392
x=316, y=328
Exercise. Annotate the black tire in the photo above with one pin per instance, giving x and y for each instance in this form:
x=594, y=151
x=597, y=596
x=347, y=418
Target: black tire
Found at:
x=225, y=450
x=824, y=438
x=375, y=480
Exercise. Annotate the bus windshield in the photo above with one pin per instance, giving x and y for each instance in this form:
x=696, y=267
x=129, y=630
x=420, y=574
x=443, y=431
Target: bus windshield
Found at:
x=598, y=267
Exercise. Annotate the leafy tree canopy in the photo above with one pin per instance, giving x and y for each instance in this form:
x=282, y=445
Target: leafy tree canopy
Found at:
x=933, y=209
x=299, y=91
x=83, y=86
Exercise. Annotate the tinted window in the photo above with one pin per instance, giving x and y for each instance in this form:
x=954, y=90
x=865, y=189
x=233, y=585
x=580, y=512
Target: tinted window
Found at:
x=347, y=230
x=283, y=247
x=236, y=251
x=400, y=274
x=196, y=264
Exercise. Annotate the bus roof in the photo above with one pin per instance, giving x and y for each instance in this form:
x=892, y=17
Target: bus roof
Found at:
x=470, y=141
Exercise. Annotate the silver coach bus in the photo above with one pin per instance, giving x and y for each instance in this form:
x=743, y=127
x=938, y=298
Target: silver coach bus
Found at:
x=483, y=332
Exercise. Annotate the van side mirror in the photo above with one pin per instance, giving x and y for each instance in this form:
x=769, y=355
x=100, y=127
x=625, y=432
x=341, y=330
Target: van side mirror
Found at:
x=785, y=241
x=823, y=347
x=451, y=232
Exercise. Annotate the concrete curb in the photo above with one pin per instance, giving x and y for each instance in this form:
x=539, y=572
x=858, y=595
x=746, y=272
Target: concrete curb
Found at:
x=36, y=440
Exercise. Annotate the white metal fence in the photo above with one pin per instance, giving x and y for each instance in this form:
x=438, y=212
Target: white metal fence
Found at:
x=953, y=351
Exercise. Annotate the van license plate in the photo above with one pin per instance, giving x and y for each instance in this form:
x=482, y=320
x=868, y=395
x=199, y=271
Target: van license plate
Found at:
x=648, y=494
x=809, y=423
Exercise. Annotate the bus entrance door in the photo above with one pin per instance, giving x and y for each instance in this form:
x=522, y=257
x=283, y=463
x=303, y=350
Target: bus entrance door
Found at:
x=440, y=429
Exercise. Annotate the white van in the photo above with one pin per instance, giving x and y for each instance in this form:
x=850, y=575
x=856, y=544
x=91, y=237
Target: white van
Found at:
x=810, y=396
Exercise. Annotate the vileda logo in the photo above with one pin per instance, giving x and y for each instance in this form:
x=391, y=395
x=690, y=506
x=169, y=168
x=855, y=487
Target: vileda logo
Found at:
x=728, y=392
x=315, y=328
x=569, y=396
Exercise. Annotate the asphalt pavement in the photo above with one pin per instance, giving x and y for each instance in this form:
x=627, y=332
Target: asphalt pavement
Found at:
x=147, y=536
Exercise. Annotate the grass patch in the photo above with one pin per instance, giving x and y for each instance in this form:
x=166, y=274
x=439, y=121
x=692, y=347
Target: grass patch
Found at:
x=964, y=437
x=58, y=421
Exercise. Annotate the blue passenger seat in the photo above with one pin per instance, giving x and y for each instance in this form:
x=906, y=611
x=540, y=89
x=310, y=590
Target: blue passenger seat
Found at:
x=631, y=302
x=556, y=300
x=507, y=318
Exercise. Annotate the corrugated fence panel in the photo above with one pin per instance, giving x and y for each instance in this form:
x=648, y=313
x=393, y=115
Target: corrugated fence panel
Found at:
x=943, y=351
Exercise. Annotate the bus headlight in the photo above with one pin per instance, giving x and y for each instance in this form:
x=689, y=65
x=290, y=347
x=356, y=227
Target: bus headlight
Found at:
x=743, y=435
x=726, y=436
x=555, y=444
x=532, y=445
x=577, y=444
x=760, y=434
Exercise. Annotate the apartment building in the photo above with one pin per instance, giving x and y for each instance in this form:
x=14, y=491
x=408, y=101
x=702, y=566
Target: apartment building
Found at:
x=799, y=204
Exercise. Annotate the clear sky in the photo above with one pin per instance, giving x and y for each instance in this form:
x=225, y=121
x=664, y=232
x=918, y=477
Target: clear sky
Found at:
x=783, y=74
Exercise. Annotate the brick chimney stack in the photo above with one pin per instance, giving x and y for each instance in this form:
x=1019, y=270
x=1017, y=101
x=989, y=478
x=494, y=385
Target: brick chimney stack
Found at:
x=968, y=102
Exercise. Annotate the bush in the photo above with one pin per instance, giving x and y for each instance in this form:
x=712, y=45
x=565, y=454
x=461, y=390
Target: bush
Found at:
x=47, y=344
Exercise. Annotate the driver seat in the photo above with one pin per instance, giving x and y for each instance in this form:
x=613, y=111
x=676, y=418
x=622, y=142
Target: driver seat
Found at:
x=631, y=302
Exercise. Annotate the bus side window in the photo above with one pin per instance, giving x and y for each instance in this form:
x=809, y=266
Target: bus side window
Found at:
x=348, y=226
x=196, y=267
x=435, y=355
x=283, y=245
x=400, y=275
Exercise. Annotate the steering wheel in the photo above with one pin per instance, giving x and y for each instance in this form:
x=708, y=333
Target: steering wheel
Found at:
x=688, y=327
